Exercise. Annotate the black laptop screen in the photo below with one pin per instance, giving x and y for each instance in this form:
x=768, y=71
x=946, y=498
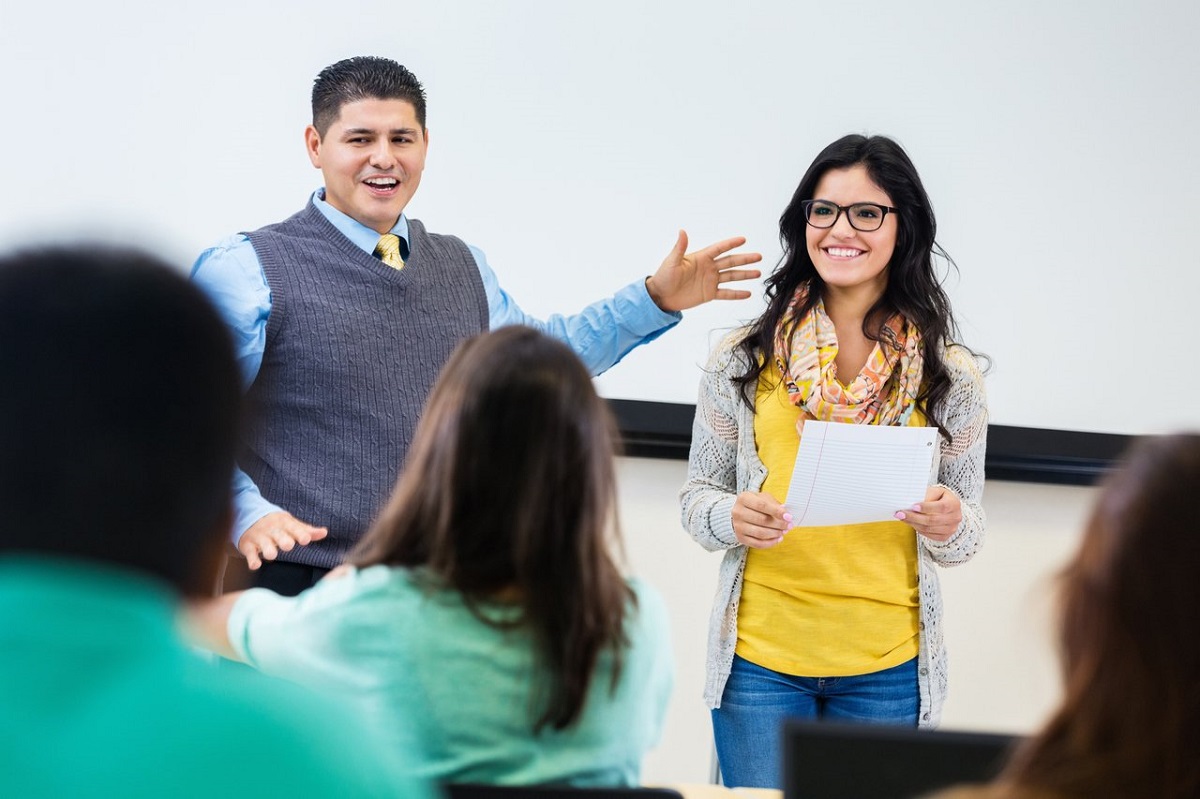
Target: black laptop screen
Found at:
x=824, y=760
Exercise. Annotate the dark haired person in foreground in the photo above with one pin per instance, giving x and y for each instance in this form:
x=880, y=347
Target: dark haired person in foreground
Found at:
x=485, y=605
x=344, y=313
x=839, y=622
x=119, y=404
x=1129, y=613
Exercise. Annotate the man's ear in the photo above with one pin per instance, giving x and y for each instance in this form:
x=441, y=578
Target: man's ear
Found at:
x=312, y=145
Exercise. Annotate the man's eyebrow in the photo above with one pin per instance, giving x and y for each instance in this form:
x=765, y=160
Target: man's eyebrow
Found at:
x=373, y=132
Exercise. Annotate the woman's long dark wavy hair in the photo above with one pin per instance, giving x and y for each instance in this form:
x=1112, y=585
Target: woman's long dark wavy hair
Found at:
x=509, y=493
x=1129, y=616
x=913, y=288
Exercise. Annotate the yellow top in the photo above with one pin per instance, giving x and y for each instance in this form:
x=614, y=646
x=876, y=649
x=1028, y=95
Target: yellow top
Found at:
x=826, y=601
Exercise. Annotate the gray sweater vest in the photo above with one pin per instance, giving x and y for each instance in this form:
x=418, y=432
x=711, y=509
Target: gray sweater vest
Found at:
x=352, y=350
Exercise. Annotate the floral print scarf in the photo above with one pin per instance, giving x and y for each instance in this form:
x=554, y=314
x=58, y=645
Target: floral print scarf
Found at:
x=884, y=392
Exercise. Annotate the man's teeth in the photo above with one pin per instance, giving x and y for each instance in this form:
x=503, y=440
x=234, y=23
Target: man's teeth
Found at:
x=843, y=252
x=383, y=183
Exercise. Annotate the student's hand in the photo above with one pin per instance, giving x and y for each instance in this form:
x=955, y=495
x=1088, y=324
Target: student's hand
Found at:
x=687, y=280
x=337, y=572
x=938, y=516
x=759, y=521
x=274, y=533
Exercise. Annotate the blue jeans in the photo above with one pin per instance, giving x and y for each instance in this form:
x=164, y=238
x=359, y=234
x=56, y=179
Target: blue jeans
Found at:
x=748, y=726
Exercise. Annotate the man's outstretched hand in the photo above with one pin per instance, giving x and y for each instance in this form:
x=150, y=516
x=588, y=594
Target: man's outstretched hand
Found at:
x=687, y=279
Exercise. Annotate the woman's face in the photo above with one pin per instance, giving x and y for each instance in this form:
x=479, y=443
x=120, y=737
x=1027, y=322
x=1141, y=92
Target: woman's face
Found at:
x=849, y=260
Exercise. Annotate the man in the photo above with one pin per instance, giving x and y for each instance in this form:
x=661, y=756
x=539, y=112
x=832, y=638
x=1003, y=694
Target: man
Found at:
x=119, y=403
x=344, y=313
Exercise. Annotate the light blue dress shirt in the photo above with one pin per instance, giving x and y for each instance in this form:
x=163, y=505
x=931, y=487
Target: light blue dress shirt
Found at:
x=232, y=276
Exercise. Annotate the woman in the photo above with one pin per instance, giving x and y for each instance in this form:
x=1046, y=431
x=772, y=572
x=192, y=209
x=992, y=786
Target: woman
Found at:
x=482, y=623
x=838, y=622
x=1130, y=610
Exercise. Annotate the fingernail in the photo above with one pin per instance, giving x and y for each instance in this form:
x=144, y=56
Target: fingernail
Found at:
x=917, y=508
x=900, y=514
x=787, y=517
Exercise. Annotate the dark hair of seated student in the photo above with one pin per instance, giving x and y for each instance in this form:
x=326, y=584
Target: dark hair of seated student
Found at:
x=120, y=401
x=509, y=493
x=1129, y=721
x=119, y=411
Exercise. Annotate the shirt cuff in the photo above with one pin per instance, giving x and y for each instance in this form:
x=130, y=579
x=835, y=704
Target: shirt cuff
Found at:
x=249, y=508
x=640, y=313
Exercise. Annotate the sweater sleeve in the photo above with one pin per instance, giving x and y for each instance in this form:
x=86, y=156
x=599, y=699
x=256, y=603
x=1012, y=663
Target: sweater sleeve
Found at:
x=962, y=457
x=708, y=495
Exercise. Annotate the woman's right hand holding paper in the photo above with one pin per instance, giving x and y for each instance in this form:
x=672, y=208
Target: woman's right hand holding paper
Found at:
x=759, y=520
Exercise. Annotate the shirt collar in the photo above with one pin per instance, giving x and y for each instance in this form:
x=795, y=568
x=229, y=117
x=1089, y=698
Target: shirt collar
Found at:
x=362, y=236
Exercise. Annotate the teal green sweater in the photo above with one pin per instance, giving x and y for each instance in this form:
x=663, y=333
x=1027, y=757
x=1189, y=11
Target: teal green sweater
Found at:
x=419, y=661
x=98, y=697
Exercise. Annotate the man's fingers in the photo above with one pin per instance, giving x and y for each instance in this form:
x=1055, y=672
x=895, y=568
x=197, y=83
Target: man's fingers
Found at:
x=732, y=275
x=250, y=552
x=304, y=534
x=723, y=246
x=730, y=264
x=680, y=248
x=273, y=533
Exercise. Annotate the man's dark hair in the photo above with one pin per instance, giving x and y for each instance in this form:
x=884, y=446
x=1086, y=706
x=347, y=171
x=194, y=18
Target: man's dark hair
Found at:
x=119, y=405
x=363, y=78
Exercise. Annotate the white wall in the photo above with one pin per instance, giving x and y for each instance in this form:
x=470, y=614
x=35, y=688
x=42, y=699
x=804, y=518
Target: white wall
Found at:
x=1003, y=672
x=571, y=140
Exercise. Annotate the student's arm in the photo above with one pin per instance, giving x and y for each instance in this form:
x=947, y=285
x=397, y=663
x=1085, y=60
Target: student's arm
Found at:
x=232, y=277
x=300, y=638
x=206, y=621
x=607, y=330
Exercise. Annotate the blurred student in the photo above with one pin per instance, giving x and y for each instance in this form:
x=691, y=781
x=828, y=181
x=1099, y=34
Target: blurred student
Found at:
x=1129, y=721
x=486, y=605
x=119, y=403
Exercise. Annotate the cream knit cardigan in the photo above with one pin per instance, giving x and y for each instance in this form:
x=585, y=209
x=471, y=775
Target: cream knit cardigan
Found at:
x=724, y=462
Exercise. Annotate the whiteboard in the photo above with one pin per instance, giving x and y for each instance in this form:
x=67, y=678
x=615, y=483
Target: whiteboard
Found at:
x=571, y=141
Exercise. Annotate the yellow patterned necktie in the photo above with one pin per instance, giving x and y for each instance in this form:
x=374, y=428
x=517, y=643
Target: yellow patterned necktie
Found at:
x=388, y=250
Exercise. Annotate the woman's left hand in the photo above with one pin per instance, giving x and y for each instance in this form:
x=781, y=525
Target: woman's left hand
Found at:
x=937, y=517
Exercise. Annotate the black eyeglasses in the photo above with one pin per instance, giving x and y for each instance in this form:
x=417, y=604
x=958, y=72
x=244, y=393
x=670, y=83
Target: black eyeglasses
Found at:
x=862, y=216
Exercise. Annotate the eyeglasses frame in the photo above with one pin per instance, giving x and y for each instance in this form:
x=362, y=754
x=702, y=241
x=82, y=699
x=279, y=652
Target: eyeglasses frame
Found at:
x=808, y=204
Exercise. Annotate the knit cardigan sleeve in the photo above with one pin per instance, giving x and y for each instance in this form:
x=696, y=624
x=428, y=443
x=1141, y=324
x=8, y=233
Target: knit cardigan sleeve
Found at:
x=715, y=474
x=961, y=462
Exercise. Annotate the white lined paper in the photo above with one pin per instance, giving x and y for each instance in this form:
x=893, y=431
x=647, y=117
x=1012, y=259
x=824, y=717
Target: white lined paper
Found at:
x=857, y=473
